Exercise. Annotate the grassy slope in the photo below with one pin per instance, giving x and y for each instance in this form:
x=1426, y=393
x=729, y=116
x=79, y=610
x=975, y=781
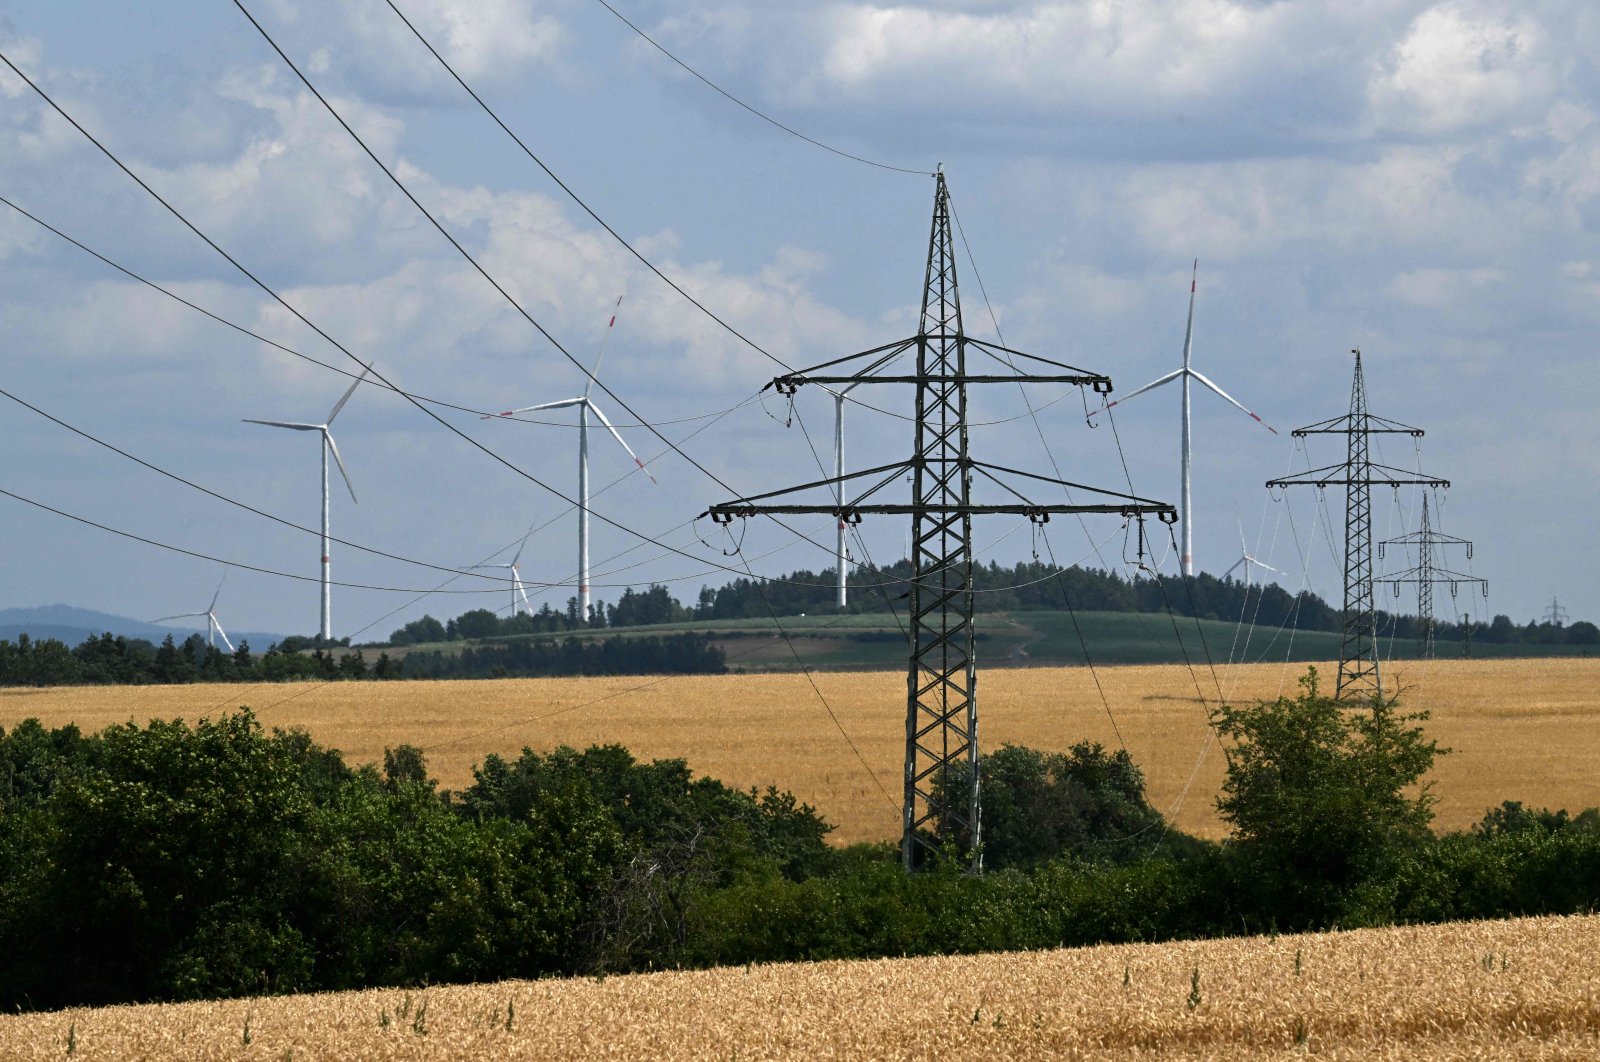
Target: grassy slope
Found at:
x=1017, y=638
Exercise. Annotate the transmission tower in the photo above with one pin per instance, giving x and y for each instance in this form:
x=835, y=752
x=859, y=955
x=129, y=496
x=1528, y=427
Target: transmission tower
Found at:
x=941, y=683
x=1427, y=573
x=1359, y=680
x=1555, y=615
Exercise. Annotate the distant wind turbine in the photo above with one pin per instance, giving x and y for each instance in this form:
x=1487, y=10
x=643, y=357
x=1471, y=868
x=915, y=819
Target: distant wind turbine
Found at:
x=328, y=446
x=1186, y=558
x=1247, y=560
x=586, y=406
x=517, y=589
x=213, y=625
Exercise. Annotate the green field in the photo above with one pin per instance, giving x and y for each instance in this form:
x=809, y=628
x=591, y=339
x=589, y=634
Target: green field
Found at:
x=1018, y=639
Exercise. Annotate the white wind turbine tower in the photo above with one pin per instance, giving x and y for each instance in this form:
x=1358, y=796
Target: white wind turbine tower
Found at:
x=517, y=589
x=586, y=406
x=213, y=625
x=328, y=446
x=1186, y=373
x=1247, y=560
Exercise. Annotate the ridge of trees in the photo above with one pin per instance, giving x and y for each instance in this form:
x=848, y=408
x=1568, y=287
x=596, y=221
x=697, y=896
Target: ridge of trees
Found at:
x=115, y=660
x=1028, y=585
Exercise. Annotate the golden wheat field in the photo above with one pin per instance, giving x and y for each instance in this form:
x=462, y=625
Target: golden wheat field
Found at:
x=1521, y=989
x=1524, y=730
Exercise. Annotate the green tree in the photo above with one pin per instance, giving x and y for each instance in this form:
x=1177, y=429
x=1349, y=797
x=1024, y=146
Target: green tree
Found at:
x=1324, y=801
x=1038, y=805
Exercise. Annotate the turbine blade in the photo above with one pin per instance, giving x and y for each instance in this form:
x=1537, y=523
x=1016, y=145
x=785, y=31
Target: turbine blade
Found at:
x=516, y=581
x=327, y=437
x=1188, y=330
x=346, y=396
x=1151, y=386
x=1201, y=377
x=1235, y=567
x=624, y=445
x=1260, y=564
x=595, y=371
x=221, y=633
x=186, y=615
x=218, y=594
x=565, y=402
x=285, y=424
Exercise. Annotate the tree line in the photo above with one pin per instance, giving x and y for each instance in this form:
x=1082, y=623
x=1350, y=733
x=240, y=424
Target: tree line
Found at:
x=1028, y=585
x=116, y=660
x=176, y=861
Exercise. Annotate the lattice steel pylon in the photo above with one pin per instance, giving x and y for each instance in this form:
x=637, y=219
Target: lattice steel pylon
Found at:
x=1359, y=678
x=941, y=732
x=1426, y=573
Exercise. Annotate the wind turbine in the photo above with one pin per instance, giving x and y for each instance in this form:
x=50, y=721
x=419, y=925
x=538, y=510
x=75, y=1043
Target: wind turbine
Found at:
x=1246, y=559
x=213, y=625
x=1186, y=373
x=328, y=446
x=585, y=406
x=517, y=589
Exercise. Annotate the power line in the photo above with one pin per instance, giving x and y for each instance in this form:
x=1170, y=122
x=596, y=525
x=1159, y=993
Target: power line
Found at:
x=280, y=300
x=218, y=560
x=759, y=114
x=587, y=209
x=511, y=300
x=384, y=385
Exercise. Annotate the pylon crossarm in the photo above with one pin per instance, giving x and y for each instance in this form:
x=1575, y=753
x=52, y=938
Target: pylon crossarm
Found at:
x=1147, y=503
x=1329, y=477
x=994, y=350
x=741, y=503
x=787, y=383
x=942, y=378
x=729, y=511
x=1345, y=426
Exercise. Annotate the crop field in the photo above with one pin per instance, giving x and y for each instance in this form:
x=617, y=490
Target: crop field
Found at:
x=1528, y=988
x=1525, y=730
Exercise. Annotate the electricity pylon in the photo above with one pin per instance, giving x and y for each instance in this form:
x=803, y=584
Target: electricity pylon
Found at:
x=1359, y=679
x=941, y=681
x=1426, y=573
x=1555, y=615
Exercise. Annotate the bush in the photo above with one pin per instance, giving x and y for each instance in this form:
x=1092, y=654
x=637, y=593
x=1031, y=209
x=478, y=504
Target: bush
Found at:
x=1322, y=802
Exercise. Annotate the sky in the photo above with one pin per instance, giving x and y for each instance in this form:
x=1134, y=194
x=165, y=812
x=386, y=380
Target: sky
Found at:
x=1414, y=178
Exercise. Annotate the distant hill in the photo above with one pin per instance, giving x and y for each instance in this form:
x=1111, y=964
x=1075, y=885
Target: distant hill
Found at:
x=72, y=625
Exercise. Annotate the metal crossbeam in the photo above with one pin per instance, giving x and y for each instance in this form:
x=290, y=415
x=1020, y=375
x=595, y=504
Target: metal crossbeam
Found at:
x=941, y=678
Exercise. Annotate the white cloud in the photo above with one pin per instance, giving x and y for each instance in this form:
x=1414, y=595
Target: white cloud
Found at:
x=1453, y=70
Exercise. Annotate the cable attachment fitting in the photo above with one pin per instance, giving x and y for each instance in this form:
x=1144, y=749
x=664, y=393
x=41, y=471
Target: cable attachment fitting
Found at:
x=848, y=515
x=787, y=385
x=1168, y=516
x=1102, y=387
x=1037, y=514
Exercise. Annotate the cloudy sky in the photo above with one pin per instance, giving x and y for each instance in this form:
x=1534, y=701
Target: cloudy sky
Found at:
x=1416, y=178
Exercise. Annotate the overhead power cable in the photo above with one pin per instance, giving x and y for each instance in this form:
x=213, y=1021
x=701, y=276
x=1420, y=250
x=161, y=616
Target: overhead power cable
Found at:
x=383, y=386
x=280, y=300
x=584, y=206
x=725, y=94
x=218, y=560
x=498, y=287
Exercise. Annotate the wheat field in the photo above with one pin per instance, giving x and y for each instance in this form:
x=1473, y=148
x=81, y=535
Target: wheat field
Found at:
x=1528, y=988
x=1525, y=730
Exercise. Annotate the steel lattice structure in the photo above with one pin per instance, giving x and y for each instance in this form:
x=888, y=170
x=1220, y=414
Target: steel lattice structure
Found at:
x=1426, y=573
x=941, y=682
x=1359, y=678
